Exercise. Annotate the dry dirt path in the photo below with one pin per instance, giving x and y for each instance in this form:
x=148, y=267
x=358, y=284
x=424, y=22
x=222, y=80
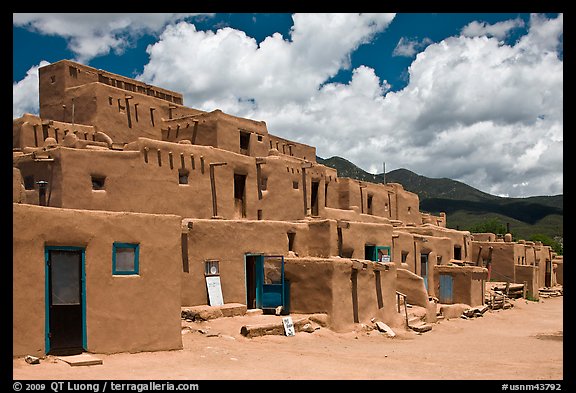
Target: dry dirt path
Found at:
x=521, y=343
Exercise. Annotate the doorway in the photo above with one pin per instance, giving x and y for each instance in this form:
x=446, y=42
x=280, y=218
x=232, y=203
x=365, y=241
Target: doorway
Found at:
x=548, y=274
x=424, y=268
x=314, y=197
x=251, y=286
x=65, y=301
x=239, y=196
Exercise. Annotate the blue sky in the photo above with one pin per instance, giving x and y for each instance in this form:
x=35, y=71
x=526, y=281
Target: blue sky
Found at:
x=472, y=97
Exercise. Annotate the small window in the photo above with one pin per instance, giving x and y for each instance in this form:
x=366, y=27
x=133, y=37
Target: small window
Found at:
x=73, y=71
x=110, y=100
x=53, y=79
x=291, y=238
x=212, y=268
x=29, y=182
x=98, y=182
x=369, y=203
x=409, y=209
x=457, y=253
x=295, y=185
x=404, y=256
x=183, y=176
x=264, y=183
x=259, y=138
x=244, y=142
x=125, y=258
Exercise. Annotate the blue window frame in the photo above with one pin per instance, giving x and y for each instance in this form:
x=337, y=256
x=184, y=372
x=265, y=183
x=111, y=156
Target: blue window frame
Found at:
x=125, y=258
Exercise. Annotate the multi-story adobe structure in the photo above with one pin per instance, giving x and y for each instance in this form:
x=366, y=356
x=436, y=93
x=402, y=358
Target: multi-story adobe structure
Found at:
x=126, y=203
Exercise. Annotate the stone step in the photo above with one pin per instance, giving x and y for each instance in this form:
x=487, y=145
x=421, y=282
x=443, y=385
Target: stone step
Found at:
x=421, y=328
x=205, y=312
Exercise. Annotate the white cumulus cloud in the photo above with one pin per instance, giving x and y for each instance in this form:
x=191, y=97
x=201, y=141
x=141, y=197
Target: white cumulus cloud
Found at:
x=25, y=93
x=498, y=30
x=475, y=109
x=95, y=34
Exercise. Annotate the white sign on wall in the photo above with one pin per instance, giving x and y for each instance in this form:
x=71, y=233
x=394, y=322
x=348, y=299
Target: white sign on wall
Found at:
x=288, y=326
x=214, y=291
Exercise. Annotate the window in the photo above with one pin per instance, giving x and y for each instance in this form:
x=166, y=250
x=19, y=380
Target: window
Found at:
x=457, y=252
x=53, y=79
x=264, y=183
x=259, y=138
x=369, y=203
x=295, y=185
x=73, y=71
x=244, y=142
x=183, y=176
x=29, y=182
x=404, y=256
x=125, y=258
x=212, y=268
x=98, y=182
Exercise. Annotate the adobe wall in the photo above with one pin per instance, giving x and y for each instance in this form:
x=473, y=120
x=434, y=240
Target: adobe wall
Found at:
x=529, y=275
x=356, y=235
x=467, y=285
x=412, y=285
x=291, y=148
x=503, y=256
x=123, y=313
x=228, y=241
x=543, y=255
x=350, y=292
x=458, y=239
x=18, y=192
x=558, y=260
x=483, y=237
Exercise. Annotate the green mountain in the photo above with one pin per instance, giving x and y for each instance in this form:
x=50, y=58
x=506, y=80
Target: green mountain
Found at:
x=466, y=206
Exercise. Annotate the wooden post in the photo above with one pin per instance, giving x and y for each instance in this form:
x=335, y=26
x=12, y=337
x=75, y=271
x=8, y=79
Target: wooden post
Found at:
x=525, y=289
x=213, y=186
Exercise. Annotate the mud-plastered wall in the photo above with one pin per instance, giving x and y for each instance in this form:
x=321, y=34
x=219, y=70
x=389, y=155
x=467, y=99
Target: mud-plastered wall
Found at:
x=291, y=148
x=503, y=258
x=350, y=292
x=467, y=283
x=18, y=192
x=228, y=242
x=124, y=313
x=282, y=188
x=528, y=275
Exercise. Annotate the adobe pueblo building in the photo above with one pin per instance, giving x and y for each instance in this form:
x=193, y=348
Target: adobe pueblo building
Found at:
x=129, y=206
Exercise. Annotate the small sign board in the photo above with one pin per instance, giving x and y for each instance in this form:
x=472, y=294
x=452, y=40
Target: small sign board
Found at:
x=214, y=291
x=288, y=326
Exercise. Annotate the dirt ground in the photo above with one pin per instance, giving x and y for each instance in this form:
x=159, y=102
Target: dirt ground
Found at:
x=524, y=342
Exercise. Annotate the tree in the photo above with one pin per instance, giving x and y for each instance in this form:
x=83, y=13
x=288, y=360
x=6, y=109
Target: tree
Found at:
x=547, y=241
x=489, y=225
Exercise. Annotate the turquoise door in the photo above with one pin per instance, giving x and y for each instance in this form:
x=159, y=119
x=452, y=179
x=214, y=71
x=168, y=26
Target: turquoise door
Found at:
x=446, y=285
x=266, y=285
x=65, y=300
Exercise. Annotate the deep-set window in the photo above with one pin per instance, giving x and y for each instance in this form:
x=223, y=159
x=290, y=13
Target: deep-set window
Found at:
x=404, y=256
x=295, y=185
x=211, y=267
x=125, y=258
x=29, y=182
x=98, y=182
x=183, y=176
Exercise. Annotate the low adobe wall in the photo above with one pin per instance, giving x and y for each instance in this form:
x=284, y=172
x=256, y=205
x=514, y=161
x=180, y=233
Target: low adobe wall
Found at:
x=349, y=291
x=123, y=313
